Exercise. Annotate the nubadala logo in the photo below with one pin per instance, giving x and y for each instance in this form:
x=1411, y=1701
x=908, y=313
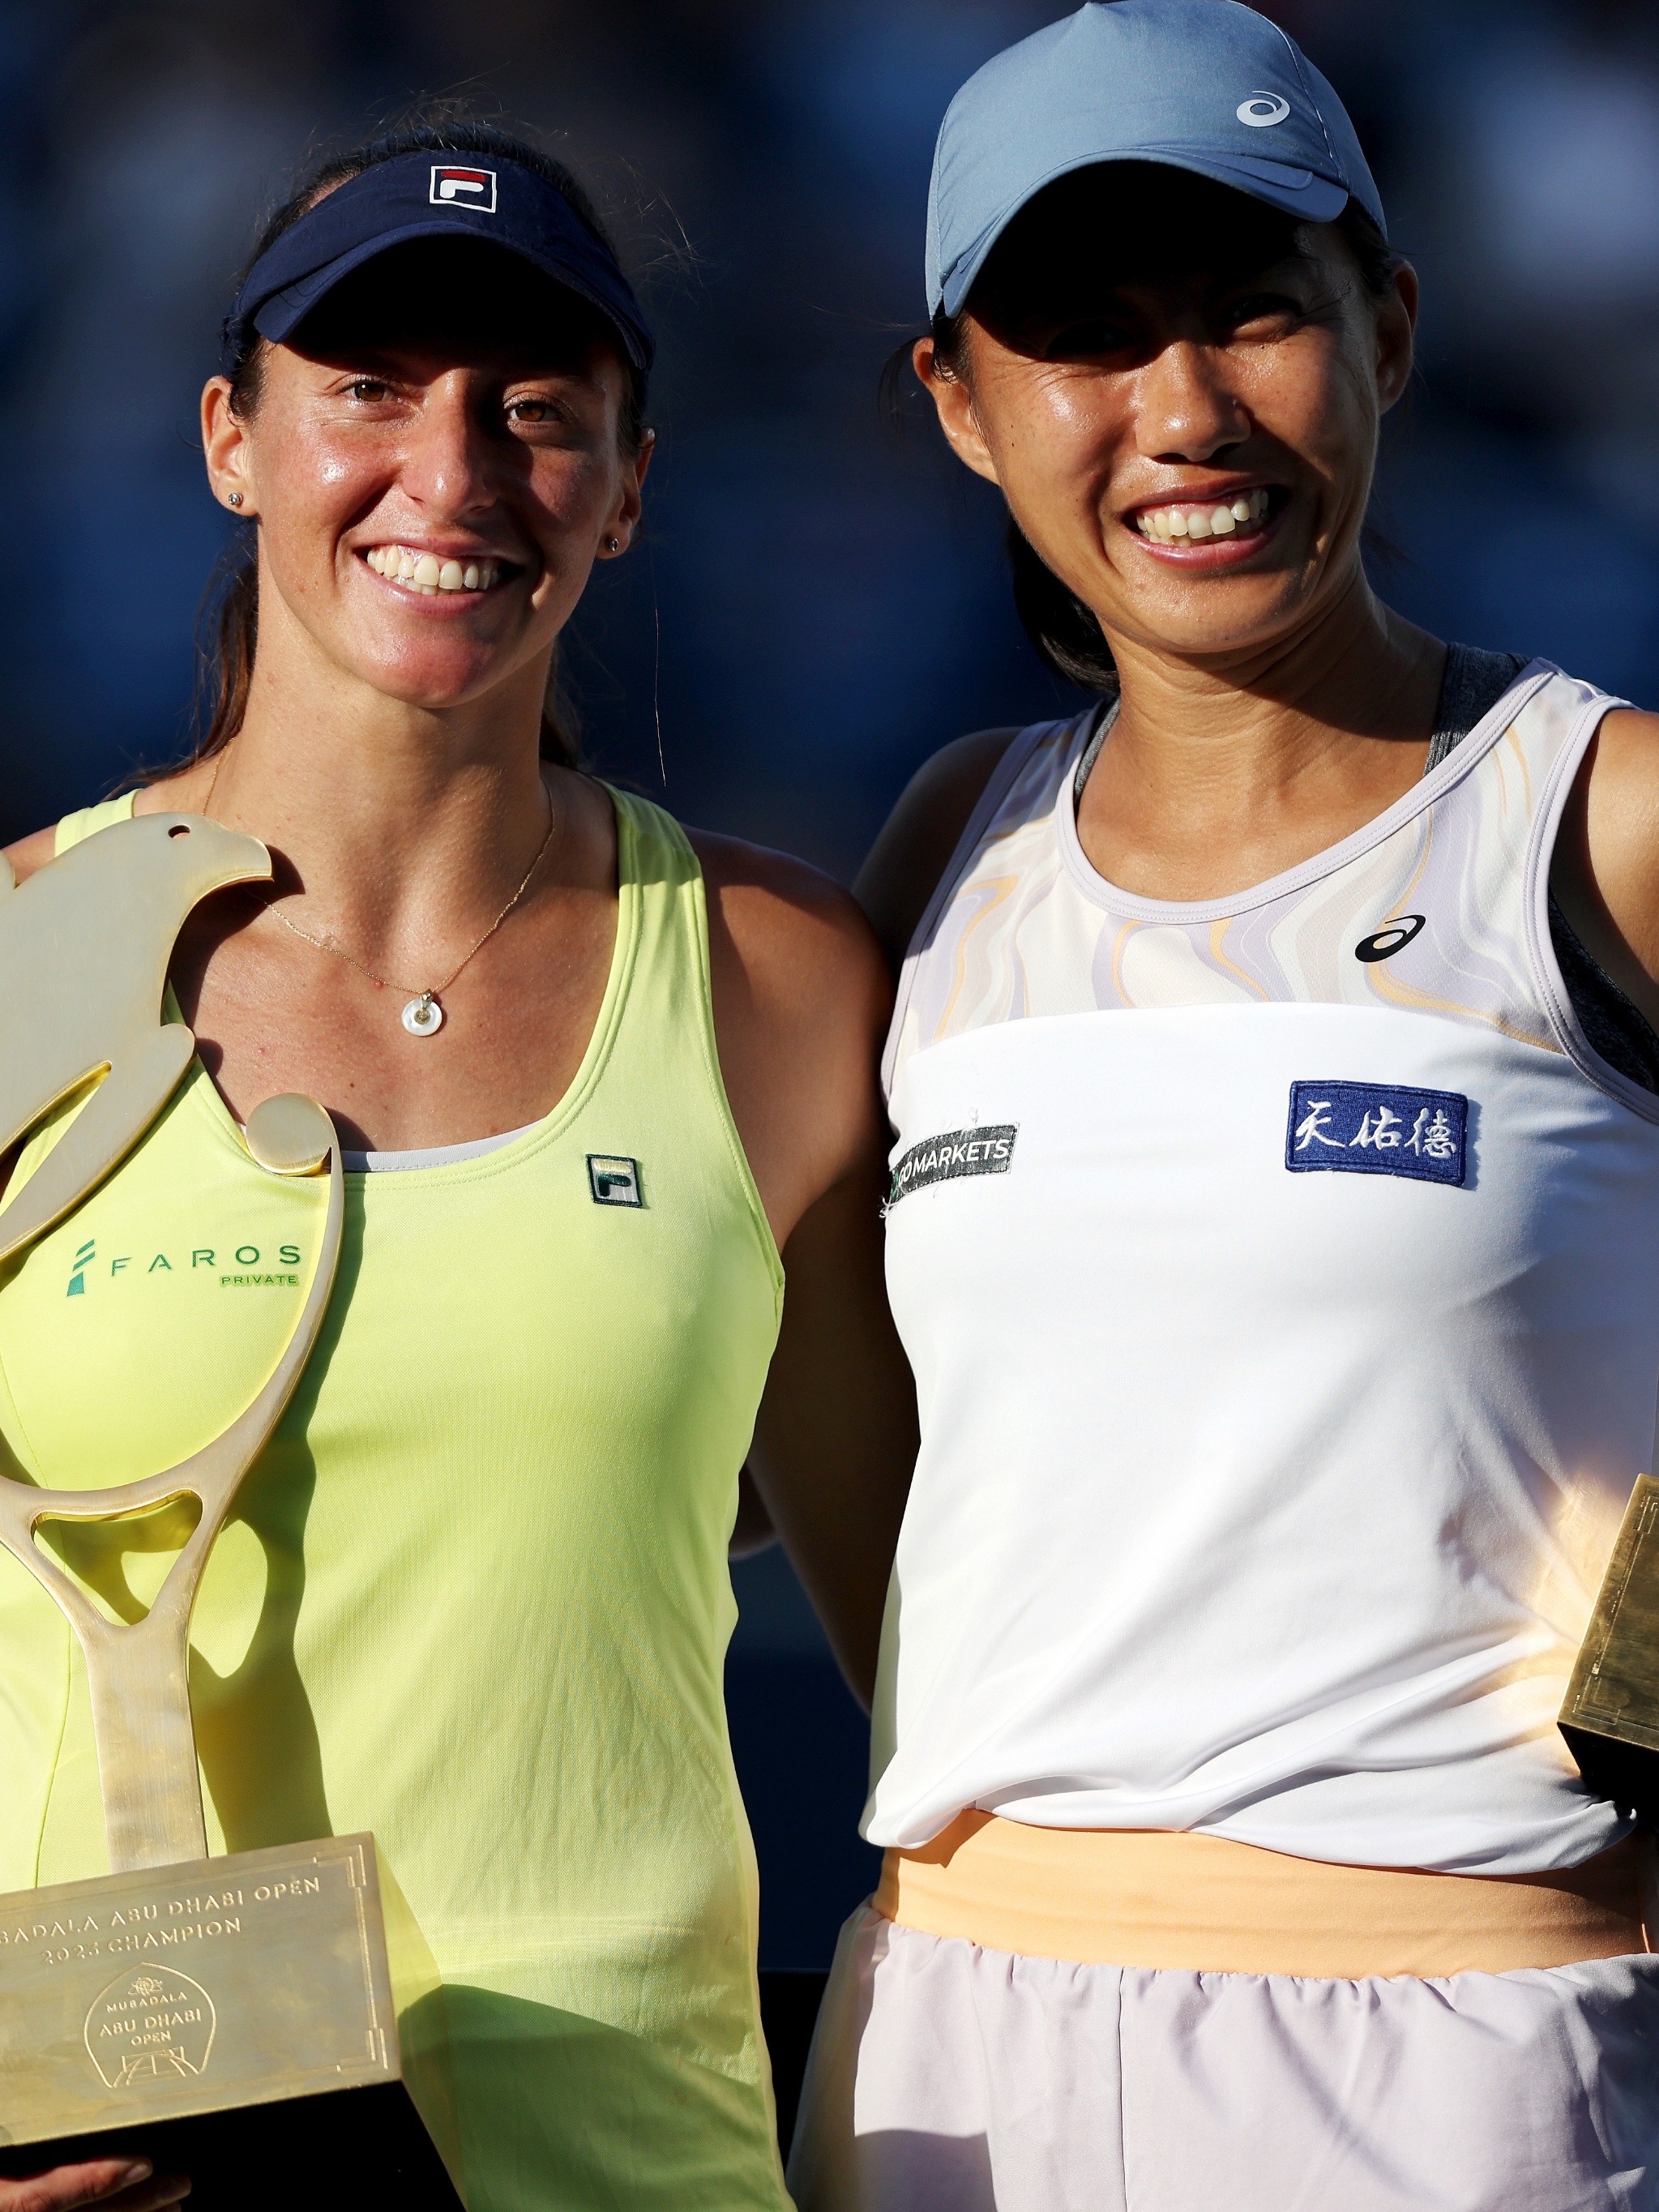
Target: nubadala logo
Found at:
x=150, y=2028
x=470, y=188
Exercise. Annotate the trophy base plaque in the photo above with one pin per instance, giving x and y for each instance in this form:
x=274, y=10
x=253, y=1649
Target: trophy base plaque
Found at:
x=1611, y=1717
x=271, y=2023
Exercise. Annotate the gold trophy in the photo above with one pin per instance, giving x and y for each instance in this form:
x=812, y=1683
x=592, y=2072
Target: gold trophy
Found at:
x=270, y=2022
x=1611, y=1715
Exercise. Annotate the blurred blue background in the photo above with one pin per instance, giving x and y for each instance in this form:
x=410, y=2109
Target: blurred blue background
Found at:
x=819, y=600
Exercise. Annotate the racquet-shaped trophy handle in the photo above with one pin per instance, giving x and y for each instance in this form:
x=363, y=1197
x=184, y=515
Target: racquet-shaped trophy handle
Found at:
x=139, y=1673
x=308, y=1989
x=84, y=948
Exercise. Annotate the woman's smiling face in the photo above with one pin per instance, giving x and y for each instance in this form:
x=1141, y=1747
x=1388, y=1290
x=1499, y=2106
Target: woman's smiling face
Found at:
x=436, y=460
x=1179, y=393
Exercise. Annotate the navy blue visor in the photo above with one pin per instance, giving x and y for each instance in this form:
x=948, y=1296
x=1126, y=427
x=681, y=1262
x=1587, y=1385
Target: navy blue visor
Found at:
x=428, y=194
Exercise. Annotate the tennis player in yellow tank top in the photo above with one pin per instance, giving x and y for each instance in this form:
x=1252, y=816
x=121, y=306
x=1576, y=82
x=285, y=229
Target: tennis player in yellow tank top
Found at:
x=475, y=1596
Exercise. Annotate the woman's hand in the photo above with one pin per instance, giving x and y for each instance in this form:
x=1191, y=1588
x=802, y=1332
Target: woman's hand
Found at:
x=117, y=2184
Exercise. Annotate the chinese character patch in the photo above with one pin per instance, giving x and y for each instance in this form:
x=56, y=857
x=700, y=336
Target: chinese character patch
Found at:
x=1378, y=1129
x=990, y=1150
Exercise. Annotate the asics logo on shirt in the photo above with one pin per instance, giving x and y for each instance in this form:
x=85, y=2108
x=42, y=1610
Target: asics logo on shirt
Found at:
x=1392, y=938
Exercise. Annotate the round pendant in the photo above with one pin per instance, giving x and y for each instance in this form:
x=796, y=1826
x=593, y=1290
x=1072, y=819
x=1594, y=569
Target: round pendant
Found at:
x=423, y=1017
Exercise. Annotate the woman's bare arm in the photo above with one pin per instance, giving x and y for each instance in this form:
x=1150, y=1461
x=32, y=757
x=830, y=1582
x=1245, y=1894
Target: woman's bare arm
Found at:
x=836, y=1440
x=1605, y=871
x=801, y=1003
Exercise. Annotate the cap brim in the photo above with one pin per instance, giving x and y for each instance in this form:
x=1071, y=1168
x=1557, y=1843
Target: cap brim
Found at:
x=1297, y=191
x=280, y=315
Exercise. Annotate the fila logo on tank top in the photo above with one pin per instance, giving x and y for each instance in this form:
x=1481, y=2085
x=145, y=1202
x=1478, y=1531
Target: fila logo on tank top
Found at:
x=1283, y=1381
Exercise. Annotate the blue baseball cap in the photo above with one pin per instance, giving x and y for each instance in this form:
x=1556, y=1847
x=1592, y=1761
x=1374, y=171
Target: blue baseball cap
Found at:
x=428, y=195
x=1205, y=85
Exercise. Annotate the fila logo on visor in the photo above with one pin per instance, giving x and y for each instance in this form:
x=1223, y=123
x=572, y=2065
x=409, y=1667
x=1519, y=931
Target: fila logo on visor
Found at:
x=467, y=188
x=1378, y=1128
x=1262, y=110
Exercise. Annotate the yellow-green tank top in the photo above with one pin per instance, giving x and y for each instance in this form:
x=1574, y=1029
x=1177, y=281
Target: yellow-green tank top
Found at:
x=474, y=1595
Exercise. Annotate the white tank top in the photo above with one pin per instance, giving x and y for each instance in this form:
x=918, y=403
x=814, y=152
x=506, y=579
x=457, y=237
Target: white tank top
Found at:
x=1281, y=1277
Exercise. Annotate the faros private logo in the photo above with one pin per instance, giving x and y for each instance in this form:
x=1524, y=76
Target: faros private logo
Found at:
x=230, y=1266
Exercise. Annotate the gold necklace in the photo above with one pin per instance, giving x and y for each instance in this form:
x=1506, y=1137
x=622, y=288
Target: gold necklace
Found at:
x=423, y=1017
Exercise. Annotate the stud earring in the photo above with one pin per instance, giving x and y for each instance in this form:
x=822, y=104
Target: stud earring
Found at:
x=613, y=546
x=235, y=498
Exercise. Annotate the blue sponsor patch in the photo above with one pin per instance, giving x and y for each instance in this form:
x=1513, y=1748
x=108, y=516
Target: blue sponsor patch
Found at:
x=1378, y=1128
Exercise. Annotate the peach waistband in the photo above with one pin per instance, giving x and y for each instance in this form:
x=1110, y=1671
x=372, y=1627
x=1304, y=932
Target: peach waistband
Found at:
x=1139, y=1897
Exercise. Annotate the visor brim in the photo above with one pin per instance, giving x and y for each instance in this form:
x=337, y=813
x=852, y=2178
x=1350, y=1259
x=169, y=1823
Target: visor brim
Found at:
x=280, y=315
x=1294, y=191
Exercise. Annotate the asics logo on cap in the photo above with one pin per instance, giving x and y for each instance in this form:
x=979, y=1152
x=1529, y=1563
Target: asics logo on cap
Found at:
x=1262, y=110
x=470, y=188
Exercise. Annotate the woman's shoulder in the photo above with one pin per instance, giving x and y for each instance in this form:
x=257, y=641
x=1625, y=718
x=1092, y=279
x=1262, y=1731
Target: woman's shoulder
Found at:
x=795, y=932
x=918, y=836
x=801, y=1000
x=29, y=854
x=32, y=852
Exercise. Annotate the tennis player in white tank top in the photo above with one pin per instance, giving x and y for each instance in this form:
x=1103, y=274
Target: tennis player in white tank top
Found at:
x=1275, y=1233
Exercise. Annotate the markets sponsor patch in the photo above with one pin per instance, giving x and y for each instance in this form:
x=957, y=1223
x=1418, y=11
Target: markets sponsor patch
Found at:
x=1378, y=1128
x=986, y=1150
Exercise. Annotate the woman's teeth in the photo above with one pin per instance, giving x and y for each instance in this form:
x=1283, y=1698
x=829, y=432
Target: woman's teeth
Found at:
x=425, y=571
x=1184, y=524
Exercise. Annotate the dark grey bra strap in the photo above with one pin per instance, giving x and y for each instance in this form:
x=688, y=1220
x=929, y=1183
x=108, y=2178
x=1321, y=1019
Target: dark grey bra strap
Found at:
x=1473, y=682
x=1615, y=1027
x=1105, y=715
